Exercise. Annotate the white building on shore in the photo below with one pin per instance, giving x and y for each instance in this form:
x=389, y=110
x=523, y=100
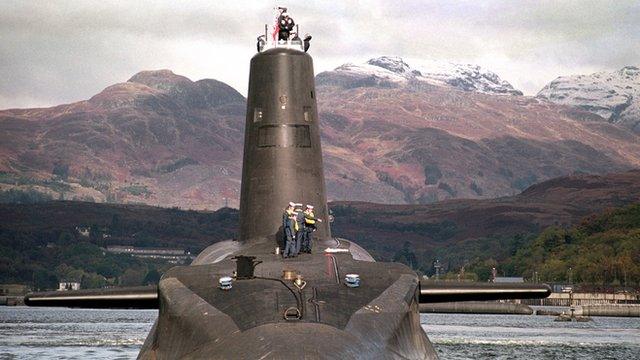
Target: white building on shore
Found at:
x=68, y=285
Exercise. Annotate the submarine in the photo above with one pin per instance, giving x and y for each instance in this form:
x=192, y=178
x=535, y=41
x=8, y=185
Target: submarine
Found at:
x=240, y=299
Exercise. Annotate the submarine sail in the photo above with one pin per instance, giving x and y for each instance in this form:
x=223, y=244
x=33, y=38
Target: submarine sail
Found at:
x=282, y=153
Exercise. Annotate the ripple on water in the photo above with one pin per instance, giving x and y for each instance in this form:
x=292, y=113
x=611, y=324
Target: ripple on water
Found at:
x=39, y=333
x=467, y=336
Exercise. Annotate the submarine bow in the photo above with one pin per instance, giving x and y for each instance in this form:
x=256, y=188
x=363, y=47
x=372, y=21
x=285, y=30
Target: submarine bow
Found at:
x=264, y=314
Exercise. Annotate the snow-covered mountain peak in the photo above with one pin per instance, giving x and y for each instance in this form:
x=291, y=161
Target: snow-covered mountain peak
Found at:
x=466, y=77
x=615, y=95
x=393, y=71
x=629, y=73
x=392, y=63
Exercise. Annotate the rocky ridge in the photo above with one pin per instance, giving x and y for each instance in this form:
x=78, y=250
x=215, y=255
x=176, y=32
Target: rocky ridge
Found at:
x=389, y=71
x=614, y=96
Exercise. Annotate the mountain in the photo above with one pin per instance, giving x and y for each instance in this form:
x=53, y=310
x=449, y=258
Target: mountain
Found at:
x=162, y=139
x=390, y=138
x=389, y=71
x=158, y=138
x=615, y=96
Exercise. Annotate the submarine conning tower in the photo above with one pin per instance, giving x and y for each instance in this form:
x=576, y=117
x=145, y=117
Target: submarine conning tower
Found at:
x=282, y=152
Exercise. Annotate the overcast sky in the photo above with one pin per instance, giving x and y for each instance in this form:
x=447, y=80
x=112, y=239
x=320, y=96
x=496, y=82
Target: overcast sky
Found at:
x=54, y=52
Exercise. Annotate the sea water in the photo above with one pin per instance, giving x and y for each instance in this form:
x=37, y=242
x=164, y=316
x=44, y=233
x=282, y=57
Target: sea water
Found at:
x=470, y=336
x=58, y=333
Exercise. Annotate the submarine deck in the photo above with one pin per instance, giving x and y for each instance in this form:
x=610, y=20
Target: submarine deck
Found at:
x=324, y=299
x=378, y=319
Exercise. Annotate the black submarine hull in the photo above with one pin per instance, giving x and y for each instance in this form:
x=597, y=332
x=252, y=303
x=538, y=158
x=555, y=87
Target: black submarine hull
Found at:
x=378, y=320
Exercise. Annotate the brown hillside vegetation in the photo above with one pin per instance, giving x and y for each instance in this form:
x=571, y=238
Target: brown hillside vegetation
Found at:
x=158, y=138
x=495, y=227
x=420, y=145
x=137, y=225
x=36, y=238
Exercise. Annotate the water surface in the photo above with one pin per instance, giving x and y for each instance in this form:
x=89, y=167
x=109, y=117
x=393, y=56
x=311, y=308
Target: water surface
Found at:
x=58, y=333
x=469, y=336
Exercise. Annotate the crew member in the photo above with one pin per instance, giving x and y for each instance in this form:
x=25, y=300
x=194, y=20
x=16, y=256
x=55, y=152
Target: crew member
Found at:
x=288, y=226
x=309, y=227
x=299, y=226
x=276, y=28
x=285, y=26
x=306, y=42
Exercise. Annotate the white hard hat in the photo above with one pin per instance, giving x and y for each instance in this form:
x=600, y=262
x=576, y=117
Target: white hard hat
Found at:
x=291, y=203
x=309, y=206
x=298, y=204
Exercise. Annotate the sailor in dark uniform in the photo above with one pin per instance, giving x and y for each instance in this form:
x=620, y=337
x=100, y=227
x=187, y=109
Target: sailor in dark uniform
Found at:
x=285, y=26
x=307, y=42
x=288, y=227
x=310, y=220
x=299, y=226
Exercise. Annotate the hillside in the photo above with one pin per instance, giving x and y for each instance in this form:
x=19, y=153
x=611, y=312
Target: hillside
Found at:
x=457, y=232
x=137, y=225
x=392, y=133
x=602, y=249
x=158, y=138
x=39, y=242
